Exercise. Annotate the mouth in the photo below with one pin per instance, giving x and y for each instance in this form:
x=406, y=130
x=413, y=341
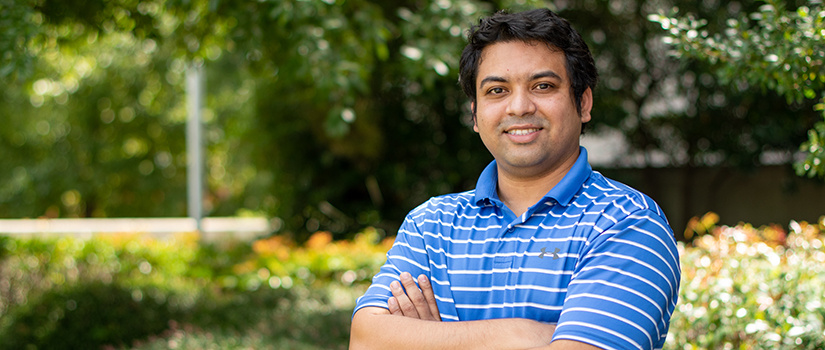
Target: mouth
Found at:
x=521, y=132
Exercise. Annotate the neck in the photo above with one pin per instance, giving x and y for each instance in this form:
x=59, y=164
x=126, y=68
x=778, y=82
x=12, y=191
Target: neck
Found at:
x=519, y=191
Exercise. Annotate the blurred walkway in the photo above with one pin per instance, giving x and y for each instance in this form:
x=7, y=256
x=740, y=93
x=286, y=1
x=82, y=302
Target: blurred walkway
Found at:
x=213, y=228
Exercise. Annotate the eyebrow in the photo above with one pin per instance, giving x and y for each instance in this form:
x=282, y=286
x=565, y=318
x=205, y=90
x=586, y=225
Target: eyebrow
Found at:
x=545, y=74
x=492, y=78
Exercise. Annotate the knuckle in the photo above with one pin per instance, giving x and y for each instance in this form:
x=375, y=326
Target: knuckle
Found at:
x=418, y=299
x=409, y=310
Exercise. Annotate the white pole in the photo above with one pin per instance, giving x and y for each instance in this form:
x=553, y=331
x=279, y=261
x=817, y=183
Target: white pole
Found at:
x=194, y=143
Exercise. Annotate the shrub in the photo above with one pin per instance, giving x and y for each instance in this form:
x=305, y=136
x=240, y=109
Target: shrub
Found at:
x=116, y=290
x=91, y=313
x=752, y=288
x=67, y=293
x=742, y=288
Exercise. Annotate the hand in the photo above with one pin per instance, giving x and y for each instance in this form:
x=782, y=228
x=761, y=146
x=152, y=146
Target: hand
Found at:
x=411, y=301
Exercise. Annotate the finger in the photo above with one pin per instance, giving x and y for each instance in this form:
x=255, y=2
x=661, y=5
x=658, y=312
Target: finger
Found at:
x=416, y=296
x=392, y=304
x=404, y=303
x=427, y=289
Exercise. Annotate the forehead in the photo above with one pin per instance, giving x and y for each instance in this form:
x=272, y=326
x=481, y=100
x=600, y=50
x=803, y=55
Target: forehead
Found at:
x=518, y=59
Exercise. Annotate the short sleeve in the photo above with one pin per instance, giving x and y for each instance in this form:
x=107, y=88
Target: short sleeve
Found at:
x=408, y=254
x=625, y=286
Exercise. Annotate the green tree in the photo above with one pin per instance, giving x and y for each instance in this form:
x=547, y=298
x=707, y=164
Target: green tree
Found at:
x=774, y=48
x=92, y=131
x=674, y=113
x=305, y=100
x=326, y=114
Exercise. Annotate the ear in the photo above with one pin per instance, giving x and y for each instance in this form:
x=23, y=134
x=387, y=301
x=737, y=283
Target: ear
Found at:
x=475, y=117
x=587, y=105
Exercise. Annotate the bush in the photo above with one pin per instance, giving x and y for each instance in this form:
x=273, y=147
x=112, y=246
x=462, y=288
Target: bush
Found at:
x=84, y=314
x=66, y=293
x=751, y=288
x=742, y=288
x=130, y=289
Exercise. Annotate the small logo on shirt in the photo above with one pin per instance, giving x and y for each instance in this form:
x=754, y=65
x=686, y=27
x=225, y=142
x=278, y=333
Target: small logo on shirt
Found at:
x=555, y=253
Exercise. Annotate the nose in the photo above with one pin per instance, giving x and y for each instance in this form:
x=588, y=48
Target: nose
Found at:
x=521, y=104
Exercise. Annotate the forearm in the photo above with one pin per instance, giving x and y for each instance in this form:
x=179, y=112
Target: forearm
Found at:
x=372, y=328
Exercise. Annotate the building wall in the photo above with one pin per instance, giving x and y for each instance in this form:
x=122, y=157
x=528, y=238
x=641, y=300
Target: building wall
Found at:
x=764, y=195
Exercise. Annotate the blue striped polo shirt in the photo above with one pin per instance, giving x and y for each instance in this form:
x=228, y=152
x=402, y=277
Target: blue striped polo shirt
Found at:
x=594, y=257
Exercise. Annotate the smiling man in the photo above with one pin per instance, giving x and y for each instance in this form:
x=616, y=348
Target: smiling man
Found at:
x=544, y=252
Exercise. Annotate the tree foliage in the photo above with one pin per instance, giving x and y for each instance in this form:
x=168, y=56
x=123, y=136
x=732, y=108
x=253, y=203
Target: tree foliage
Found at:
x=305, y=100
x=323, y=114
x=776, y=48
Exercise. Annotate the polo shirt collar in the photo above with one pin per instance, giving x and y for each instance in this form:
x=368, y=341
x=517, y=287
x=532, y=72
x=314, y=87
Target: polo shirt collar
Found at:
x=562, y=193
x=486, y=186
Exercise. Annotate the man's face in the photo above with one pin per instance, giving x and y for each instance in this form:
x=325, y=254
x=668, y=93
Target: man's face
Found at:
x=525, y=113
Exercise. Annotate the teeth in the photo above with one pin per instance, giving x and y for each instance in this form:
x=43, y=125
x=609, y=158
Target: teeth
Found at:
x=521, y=131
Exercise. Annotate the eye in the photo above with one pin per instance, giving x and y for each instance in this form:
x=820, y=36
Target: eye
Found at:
x=495, y=91
x=544, y=86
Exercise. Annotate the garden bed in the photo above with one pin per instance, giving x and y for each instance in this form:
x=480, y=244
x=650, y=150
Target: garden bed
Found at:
x=742, y=287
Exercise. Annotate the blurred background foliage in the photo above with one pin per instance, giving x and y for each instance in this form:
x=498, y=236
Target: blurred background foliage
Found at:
x=335, y=115
x=332, y=116
x=743, y=287
x=125, y=290
x=747, y=287
x=776, y=48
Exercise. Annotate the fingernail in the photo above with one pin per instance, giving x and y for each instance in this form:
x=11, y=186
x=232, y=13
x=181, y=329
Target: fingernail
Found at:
x=395, y=285
x=422, y=279
x=392, y=303
x=406, y=275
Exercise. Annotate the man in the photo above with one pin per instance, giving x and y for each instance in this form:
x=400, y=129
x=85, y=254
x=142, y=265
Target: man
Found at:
x=544, y=252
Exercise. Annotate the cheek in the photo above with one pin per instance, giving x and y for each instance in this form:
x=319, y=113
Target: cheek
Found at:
x=480, y=122
x=484, y=128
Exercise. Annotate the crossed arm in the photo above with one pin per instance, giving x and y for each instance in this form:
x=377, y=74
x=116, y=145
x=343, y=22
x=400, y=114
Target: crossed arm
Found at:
x=411, y=321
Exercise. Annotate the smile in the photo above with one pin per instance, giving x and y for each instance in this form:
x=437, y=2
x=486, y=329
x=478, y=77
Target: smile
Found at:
x=521, y=132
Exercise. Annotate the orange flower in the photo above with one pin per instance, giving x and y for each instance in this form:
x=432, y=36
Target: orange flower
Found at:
x=275, y=245
x=319, y=240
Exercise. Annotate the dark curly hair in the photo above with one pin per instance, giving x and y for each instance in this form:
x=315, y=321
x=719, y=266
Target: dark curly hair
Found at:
x=541, y=25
